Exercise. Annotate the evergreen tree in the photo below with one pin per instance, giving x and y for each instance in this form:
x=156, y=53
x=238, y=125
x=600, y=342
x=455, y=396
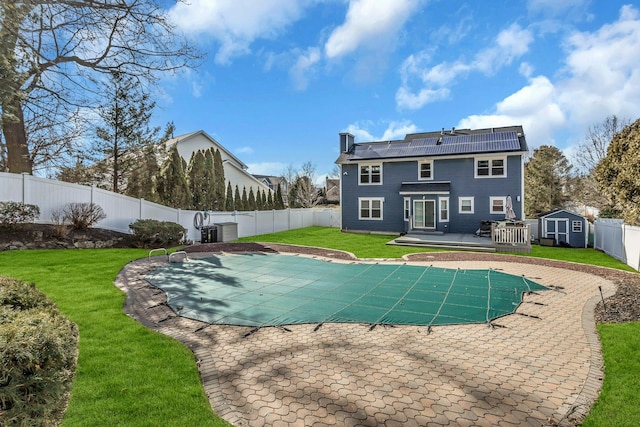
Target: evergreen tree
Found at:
x=245, y=199
x=218, y=181
x=209, y=177
x=173, y=189
x=229, y=204
x=252, y=200
x=618, y=174
x=124, y=130
x=142, y=181
x=263, y=199
x=197, y=181
x=259, y=203
x=237, y=200
x=546, y=180
x=278, y=202
x=270, y=201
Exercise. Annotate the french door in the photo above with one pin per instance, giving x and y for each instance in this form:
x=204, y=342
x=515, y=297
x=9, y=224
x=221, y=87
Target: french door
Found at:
x=424, y=214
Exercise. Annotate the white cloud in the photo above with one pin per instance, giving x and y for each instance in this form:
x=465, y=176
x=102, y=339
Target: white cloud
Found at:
x=394, y=130
x=509, y=45
x=369, y=23
x=601, y=76
x=244, y=150
x=535, y=107
x=267, y=168
x=304, y=67
x=235, y=24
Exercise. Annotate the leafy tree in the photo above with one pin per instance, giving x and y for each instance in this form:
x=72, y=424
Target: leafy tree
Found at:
x=618, y=174
x=253, y=205
x=125, y=128
x=173, y=189
x=196, y=177
x=229, y=204
x=218, y=181
x=238, y=203
x=278, y=202
x=52, y=51
x=546, y=176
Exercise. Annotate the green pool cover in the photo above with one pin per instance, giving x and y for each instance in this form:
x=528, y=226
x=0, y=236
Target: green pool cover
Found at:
x=272, y=290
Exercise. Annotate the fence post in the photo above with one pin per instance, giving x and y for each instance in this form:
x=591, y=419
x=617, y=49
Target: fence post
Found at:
x=24, y=187
x=141, y=205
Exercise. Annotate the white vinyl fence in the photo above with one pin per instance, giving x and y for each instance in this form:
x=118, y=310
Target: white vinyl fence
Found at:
x=619, y=240
x=50, y=195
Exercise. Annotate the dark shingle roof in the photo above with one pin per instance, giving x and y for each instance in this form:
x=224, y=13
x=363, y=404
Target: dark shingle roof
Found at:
x=466, y=141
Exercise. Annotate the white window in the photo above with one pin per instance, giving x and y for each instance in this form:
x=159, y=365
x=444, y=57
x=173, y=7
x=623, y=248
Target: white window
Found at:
x=371, y=174
x=407, y=207
x=444, y=209
x=465, y=205
x=370, y=208
x=498, y=205
x=487, y=168
x=576, y=226
x=425, y=169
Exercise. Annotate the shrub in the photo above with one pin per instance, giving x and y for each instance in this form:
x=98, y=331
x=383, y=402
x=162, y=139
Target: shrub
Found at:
x=83, y=215
x=12, y=213
x=60, y=227
x=149, y=233
x=38, y=349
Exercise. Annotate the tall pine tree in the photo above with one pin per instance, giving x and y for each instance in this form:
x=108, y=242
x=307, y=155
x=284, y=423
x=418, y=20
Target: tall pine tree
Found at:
x=218, y=181
x=270, y=201
x=173, y=189
x=237, y=200
x=229, y=204
x=209, y=178
x=196, y=176
x=245, y=199
x=252, y=200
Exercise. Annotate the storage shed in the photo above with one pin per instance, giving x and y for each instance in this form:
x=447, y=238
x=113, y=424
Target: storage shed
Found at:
x=563, y=228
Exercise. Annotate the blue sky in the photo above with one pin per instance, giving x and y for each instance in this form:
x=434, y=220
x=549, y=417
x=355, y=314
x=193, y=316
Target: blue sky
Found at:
x=283, y=77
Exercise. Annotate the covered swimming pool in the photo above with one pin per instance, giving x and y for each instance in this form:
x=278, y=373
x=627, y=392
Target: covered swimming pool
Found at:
x=260, y=290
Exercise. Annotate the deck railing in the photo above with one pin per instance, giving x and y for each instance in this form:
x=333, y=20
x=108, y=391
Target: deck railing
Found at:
x=511, y=237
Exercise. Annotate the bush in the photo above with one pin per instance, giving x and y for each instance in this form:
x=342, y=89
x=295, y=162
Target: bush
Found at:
x=150, y=233
x=38, y=349
x=83, y=215
x=12, y=213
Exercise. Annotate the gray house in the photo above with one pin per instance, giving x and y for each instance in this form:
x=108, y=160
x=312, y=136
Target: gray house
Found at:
x=564, y=228
x=439, y=182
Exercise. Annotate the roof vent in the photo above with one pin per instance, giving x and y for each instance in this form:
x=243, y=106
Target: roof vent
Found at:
x=439, y=141
x=442, y=131
x=453, y=130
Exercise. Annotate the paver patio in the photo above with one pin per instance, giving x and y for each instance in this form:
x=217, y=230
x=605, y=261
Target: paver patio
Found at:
x=540, y=367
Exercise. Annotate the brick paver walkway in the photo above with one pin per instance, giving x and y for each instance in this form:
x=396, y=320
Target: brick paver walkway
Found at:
x=537, y=369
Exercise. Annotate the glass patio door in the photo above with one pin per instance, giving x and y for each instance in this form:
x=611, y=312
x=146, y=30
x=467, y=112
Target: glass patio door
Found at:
x=424, y=214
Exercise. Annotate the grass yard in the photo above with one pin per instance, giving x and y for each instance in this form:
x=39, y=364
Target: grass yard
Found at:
x=127, y=374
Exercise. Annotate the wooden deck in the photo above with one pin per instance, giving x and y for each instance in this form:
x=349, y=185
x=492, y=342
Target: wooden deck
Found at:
x=460, y=242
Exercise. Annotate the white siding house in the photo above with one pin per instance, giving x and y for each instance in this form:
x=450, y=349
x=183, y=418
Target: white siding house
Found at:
x=234, y=170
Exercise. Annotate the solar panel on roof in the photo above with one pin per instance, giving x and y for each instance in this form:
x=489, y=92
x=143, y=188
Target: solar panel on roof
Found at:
x=449, y=144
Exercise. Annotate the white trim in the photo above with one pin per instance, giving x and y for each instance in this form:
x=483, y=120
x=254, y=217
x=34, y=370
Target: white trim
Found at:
x=490, y=159
x=580, y=223
x=504, y=205
x=369, y=164
x=460, y=211
x=440, y=200
x=406, y=208
x=370, y=199
x=425, y=162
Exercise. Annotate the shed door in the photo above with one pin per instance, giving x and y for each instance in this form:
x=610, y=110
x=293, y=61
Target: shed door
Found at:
x=557, y=228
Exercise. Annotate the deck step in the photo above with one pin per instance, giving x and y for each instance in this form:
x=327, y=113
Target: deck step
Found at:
x=449, y=246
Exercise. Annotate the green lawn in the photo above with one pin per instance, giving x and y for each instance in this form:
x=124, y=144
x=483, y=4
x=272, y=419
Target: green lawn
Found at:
x=126, y=374
x=130, y=375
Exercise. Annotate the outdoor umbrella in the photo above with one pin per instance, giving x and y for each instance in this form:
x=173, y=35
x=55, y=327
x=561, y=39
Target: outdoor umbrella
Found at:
x=509, y=214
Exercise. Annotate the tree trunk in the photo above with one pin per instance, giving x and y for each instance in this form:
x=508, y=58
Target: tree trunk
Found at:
x=18, y=156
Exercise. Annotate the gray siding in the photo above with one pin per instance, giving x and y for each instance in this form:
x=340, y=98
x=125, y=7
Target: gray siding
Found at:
x=460, y=172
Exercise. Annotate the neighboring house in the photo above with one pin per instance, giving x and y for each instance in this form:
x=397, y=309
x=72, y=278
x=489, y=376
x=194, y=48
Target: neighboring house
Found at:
x=564, y=227
x=234, y=170
x=332, y=190
x=446, y=181
x=272, y=182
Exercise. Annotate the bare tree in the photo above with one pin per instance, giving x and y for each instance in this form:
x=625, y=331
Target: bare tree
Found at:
x=56, y=48
x=302, y=192
x=597, y=140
